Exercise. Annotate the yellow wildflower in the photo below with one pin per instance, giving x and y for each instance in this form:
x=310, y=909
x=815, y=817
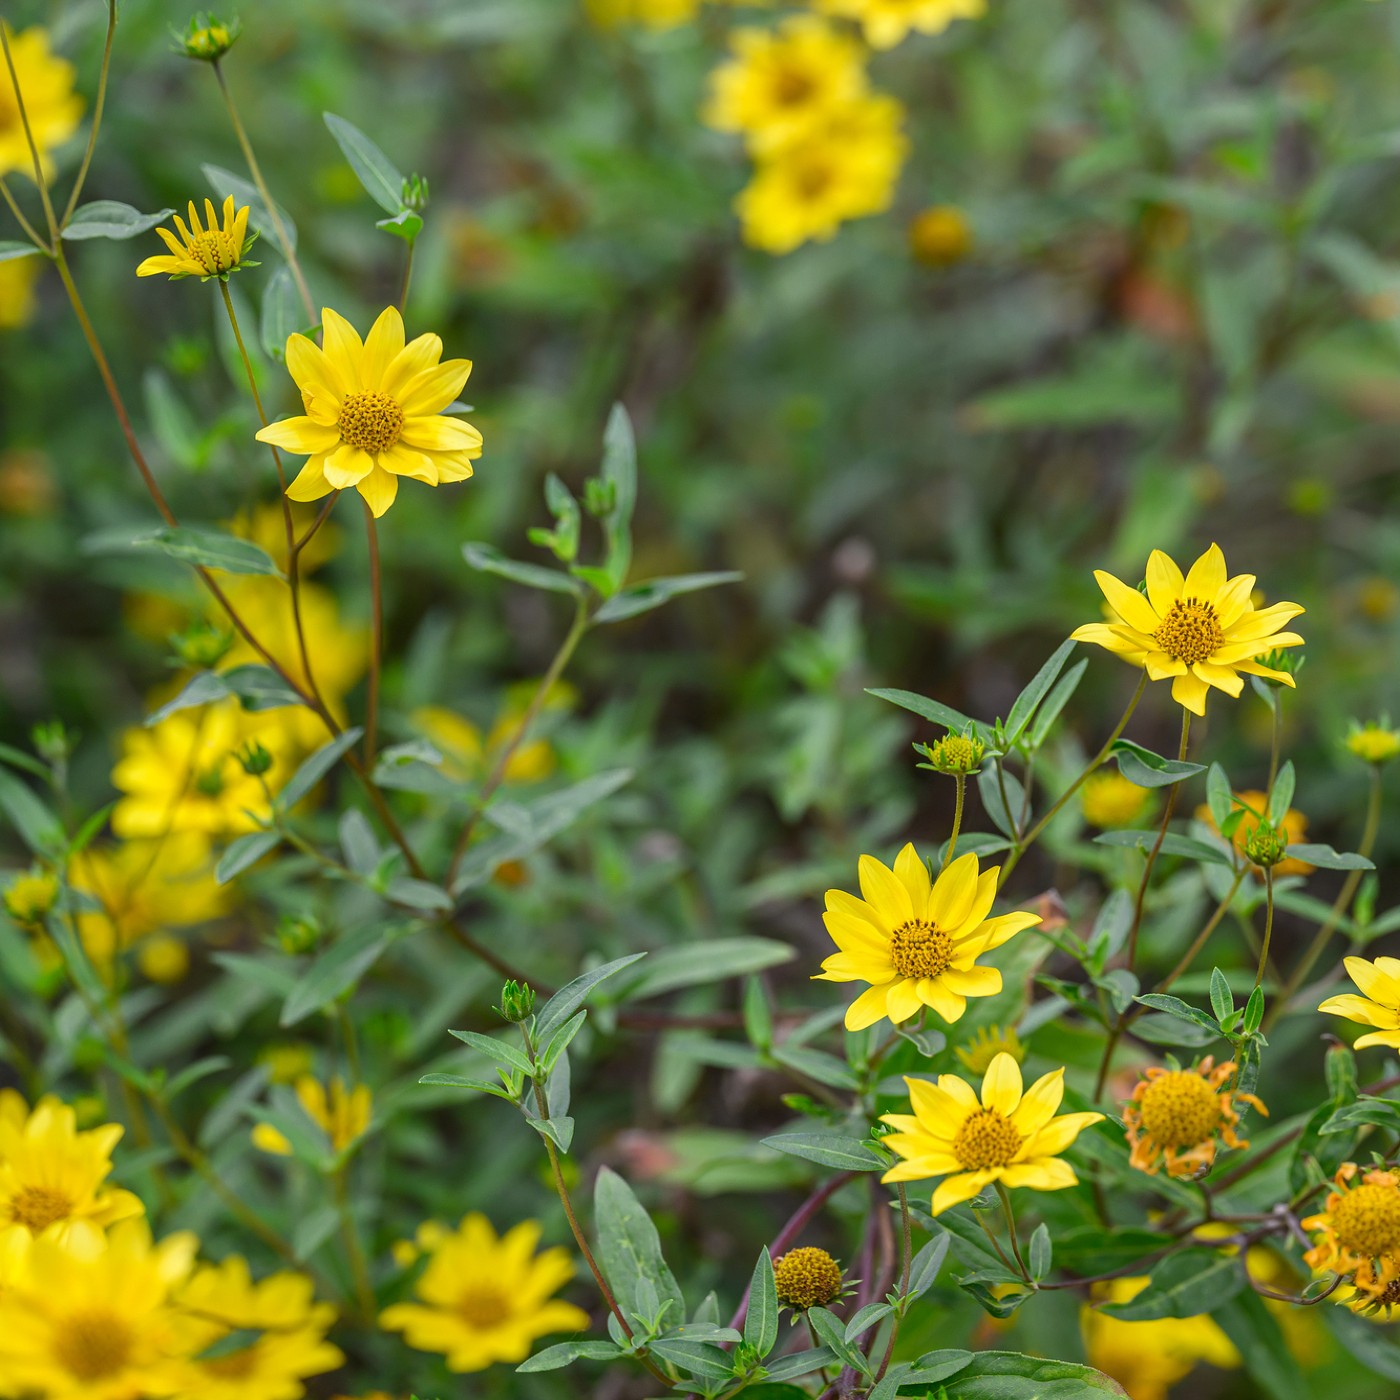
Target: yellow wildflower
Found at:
x=52, y=1176
x=888, y=22
x=468, y=754
x=1357, y=1235
x=1294, y=827
x=286, y=1063
x=266, y=526
x=915, y=940
x=17, y=279
x=1109, y=800
x=487, y=1299
x=164, y=958
x=1379, y=1002
x=807, y=1278
x=30, y=896
x=1176, y=1116
x=53, y=108
x=654, y=14
x=1374, y=743
x=374, y=412
x=986, y=1045
x=1009, y=1137
x=1202, y=630
x=426, y=1238
x=214, y=248
x=343, y=1115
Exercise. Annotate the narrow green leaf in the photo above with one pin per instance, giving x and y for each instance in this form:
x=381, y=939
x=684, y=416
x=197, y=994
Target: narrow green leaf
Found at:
x=1187, y=1284
x=375, y=171
x=243, y=852
x=1151, y=770
x=846, y=1154
x=336, y=970
x=1222, y=1002
x=1325, y=858
x=562, y=1005
x=316, y=767
x=629, y=1248
x=1281, y=795
x=107, y=218
x=640, y=598
x=487, y=559
x=761, y=1320
x=1023, y=708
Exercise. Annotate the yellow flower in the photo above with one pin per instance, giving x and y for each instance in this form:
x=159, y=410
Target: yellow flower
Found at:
x=30, y=896
x=1009, y=1137
x=846, y=168
x=210, y=249
x=426, y=1238
x=52, y=1176
x=807, y=1278
x=986, y=1045
x=181, y=775
x=91, y=1316
x=1202, y=630
x=888, y=22
x=487, y=1299
x=782, y=84
x=266, y=526
x=1379, y=1002
x=291, y=1329
x=654, y=14
x=1357, y=1235
x=1148, y=1358
x=1375, y=743
x=17, y=279
x=286, y=1063
x=1109, y=800
x=343, y=1115
x=374, y=412
x=1294, y=827
x=53, y=108
x=164, y=958
x=940, y=236
x=467, y=754
x=914, y=940
x=1176, y=1116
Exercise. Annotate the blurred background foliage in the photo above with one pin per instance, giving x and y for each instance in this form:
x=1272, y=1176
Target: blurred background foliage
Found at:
x=1176, y=320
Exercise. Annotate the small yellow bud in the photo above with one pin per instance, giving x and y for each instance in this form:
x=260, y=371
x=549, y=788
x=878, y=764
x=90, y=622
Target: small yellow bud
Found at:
x=208, y=38
x=163, y=958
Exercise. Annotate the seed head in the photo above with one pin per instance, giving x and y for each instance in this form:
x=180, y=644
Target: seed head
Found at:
x=807, y=1278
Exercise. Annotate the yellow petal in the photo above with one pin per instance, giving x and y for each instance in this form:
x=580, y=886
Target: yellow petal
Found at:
x=1101, y=634
x=418, y=355
x=348, y=465
x=1221, y=677
x=884, y=893
x=972, y=981
x=1128, y=603
x=311, y=483
x=1366, y=1013
x=431, y=390
x=852, y=935
x=1058, y=1133
x=1164, y=582
x=982, y=903
x=954, y=892
x=1374, y=979
x=434, y=433
x=1190, y=692
x=1233, y=600
x=1161, y=667
x=902, y=1000
x=304, y=436
x=1047, y=1174
x=963, y=1187
x=867, y=1008
x=454, y=466
x=1001, y=1086
x=1260, y=622
x=382, y=346
x=343, y=348
x=379, y=488
x=313, y=373
x=1391, y=1038
x=839, y=902
x=960, y=1091
x=1039, y=1103
x=920, y=1169
x=159, y=263
x=910, y=869
x=404, y=461
x=941, y=998
x=1207, y=576
x=939, y=1112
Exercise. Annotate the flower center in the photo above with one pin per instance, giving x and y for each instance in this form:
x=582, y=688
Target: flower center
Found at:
x=92, y=1346
x=793, y=87
x=1180, y=1109
x=919, y=949
x=1190, y=632
x=483, y=1306
x=986, y=1139
x=214, y=251
x=371, y=422
x=37, y=1207
x=807, y=1278
x=814, y=179
x=1367, y=1219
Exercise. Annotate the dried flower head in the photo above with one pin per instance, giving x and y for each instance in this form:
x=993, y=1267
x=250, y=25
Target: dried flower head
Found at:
x=1178, y=1117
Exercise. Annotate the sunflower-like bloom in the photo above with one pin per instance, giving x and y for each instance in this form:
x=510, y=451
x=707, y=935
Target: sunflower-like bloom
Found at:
x=343, y=1115
x=50, y=103
x=1379, y=1002
x=213, y=248
x=916, y=941
x=1178, y=1117
x=286, y=1333
x=1109, y=800
x=1293, y=827
x=487, y=1299
x=1357, y=1235
x=1201, y=630
x=374, y=412
x=90, y=1316
x=52, y=1176
x=1010, y=1136
x=888, y=22
x=1373, y=742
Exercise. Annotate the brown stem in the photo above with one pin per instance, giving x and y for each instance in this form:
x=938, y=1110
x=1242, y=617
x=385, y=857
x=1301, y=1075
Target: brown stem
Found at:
x=376, y=662
x=97, y=111
x=906, y=1250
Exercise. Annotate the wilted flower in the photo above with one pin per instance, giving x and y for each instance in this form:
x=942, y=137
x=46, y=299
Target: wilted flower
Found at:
x=1178, y=1117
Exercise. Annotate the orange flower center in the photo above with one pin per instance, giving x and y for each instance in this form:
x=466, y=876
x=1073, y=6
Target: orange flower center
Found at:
x=1190, y=632
x=920, y=949
x=1367, y=1219
x=986, y=1139
x=94, y=1345
x=807, y=1278
x=1180, y=1109
x=371, y=422
x=37, y=1207
x=792, y=87
x=214, y=251
x=483, y=1306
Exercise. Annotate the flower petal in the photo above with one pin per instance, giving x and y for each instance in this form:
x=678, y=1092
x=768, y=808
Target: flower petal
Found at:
x=382, y=346
x=311, y=483
x=304, y=436
x=954, y=892
x=963, y=1187
x=1375, y=980
x=972, y=981
x=903, y=1000
x=432, y=390
x=910, y=869
x=313, y=373
x=1164, y=582
x=1038, y=1103
x=1043, y=1174
x=1364, y=1012
x=1207, y=576
x=940, y=1113
x=1001, y=1086
x=404, y=461
x=343, y=348
x=379, y=489
x=1058, y=1133
x=868, y=1007
x=935, y=993
x=418, y=355
x=1128, y=603
x=884, y=892
x=1189, y=691
x=1221, y=677
x=434, y=433
x=348, y=466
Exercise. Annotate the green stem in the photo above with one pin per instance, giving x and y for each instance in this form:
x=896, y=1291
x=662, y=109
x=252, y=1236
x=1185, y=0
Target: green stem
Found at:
x=1011, y=1230
x=961, y=780
x=407, y=278
x=1268, y=924
x=97, y=111
x=33, y=234
x=354, y=1250
x=1157, y=844
x=376, y=663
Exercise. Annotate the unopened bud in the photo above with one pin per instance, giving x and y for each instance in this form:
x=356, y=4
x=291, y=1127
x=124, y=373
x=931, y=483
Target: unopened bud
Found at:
x=208, y=38
x=254, y=759
x=201, y=644
x=298, y=933
x=517, y=1001
x=955, y=753
x=1265, y=845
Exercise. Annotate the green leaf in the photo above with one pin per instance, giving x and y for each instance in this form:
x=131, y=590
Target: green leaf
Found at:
x=281, y=316
x=1222, y=1001
x=1254, y=1330
x=1361, y=1338
x=933, y=710
x=560, y=1130
x=761, y=1320
x=643, y=597
x=799, y=1363
x=696, y=964
x=17, y=758
x=10, y=249
x=1007, y=1375
x=1364, y=1113
x=487, y=559
x=847, y=1154
x=926, y=1266
x=458, y=1081
x=1182, y=1011
x=1325, y=858
x=1187, y=1284
x=316, y=767
x=629, y=1249
x=1024, y=706
x=1172, y=845
x=496, y=1050
x=1055, y=702
x=1041, y=1252
x=38, y=827
x=562, y=1005
x=226, y=183
x=336, y=970
x=832, y=1332
x=210, y=549
x=406, y=224
x=865, y=1318
x=1094, y=1250
x=202, y=689
x=375, y=171
x=259, y=688
x=1148, y=769
x=698, y=1358
x=563, y=1353
x=619, y=475
x=1281, y=795
x=418, y=894
x=1253, y=1011
x=245, y=851
x=106, y=218
x=935, y=1366
x=1219, y=796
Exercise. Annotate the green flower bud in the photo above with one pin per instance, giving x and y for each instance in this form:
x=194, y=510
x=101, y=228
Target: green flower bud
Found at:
x=201, y=644
x=298, y=933
x=1265, y=845
x=955, y=753
x=254, y=758
x=208, y=38
x=517, y=1002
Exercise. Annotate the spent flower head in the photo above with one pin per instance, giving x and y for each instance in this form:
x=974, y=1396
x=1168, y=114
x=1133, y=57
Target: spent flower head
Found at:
x=807, y=1277
x=1374, y=742
x=1178, y=1117
x=208, y=37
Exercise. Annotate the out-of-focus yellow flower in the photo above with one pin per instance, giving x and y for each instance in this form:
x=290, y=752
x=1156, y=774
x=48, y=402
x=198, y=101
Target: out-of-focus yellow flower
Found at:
x=1179, y=1117
x=52, y=1176
x=782, y=84
x=30, y=896
x=266, y=526
x=986, y=1045
x=1109, y=800
x=164, y=958
x=214, y=248
x=845, y=169
x=468, y=754
x=1357, y=1235
x=1148, y=1358
x=343, y=1115
x=1200, y=630
x=280, y=1324
x=286, y=1063
x=426, y=1238
x=1011, y=1137
x=375, y=411
x=1373, y=742
x=940, y=235
x=1378, y=598
x=1294, y=827
x=653, y=14
x=487, y=1299
x=17, y=279
x=1379, y=1002
x=888, y=22
x=26, y=481
x=53, y=108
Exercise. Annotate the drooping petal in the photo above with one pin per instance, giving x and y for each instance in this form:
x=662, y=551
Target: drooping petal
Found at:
x=902, y=1001
x=973, y=981
x=1161, y=667
x=909, y=868
x=851, y=967
x=1164, y=582
x=1206, y=577
x=454, y=466
x=1102, y=634
x=867, y=1008
x=1001, y=1085
x=1391, y=1038
x=404, y=461
x=1190, y=692
x=1253, y=668
x=1221, y=677
x=935, y=993
x=348, y=466
x=159, y=263
x=304, y=436
x=1128, y=603
x=379, y=489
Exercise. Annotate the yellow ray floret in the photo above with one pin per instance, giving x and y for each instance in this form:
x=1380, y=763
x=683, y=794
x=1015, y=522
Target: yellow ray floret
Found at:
x=916, y=940
x=375, y=411
x=889, y=22
x=211, y=249
x=1008, y=1136
x=1200, y=630
x=1379, y=1002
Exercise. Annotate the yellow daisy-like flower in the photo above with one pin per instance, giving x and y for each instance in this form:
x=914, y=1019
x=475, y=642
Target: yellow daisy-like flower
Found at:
x=977, y=1055
x=940, y=235
x=1379, y=1002
x=916, y=941
x=487, y=1299
x=374, y=412
x=1357, y=1235
x=1148, y=1358
x=91, y=1318
x=889, y=22
x=1294, y=827
x=213, y=248
x=290, y=1326
x=807, y=1278
x=1178, y=1117
x=52, y=1176
x=343, y=1115
x=1200, y=631
x=1109, y=800
x=782, y=83
x=1009, y=1137
x=50, y=103
x=29, y=897
x=1373, y=742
